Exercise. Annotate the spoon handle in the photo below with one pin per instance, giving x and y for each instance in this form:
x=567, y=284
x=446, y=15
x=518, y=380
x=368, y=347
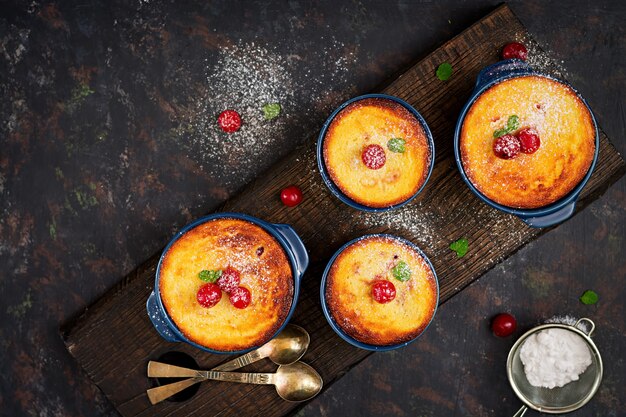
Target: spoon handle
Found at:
x=158, y=394
x=164, y=370
x=241, y=361
x=241, y=377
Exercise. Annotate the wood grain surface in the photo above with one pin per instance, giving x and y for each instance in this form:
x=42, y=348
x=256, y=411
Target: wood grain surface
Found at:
x=114, y=339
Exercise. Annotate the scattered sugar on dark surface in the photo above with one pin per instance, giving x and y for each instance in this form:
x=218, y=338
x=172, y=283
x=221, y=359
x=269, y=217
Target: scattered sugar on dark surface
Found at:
x=540, y=60
x=245, y=77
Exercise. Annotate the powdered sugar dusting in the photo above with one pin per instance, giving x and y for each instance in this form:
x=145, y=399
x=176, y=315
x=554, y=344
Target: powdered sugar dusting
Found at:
x=245, y=77
x=541, y=60
x=570, y=321
x=492, y=234
x=420, y=224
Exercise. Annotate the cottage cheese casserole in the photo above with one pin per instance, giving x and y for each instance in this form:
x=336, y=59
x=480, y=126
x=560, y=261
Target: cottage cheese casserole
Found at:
x=219, y=245
x=360, y=266
x=376, y=121
x=556, y=114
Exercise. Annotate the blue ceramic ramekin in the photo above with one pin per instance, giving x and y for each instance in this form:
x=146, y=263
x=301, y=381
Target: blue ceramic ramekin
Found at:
x=283, y=233
x=338, y=329
x=551, y=214
x=324, y=172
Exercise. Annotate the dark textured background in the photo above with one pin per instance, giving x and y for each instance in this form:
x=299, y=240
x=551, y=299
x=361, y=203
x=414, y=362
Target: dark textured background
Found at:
x=97, y=171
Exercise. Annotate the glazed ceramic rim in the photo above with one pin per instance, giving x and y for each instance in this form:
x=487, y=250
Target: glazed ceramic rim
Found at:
x=339, y=330
x=570, y=197
x=324, y=172
x=268, y=227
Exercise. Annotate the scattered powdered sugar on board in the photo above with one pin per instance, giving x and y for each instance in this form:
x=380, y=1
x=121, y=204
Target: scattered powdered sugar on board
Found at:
x=410, y=218
x=427, y=226
x=245, y=77
x=499, y=227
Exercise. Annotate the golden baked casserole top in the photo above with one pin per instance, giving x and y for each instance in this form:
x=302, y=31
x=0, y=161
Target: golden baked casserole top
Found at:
x=375, y=121
x=528, y=181
x=264, y=270
x=349, y=292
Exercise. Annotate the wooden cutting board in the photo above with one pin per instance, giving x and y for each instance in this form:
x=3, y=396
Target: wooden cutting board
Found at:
x=114, y=339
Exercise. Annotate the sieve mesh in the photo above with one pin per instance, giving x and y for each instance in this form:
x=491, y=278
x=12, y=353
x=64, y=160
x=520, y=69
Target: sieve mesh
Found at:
x=556, y=400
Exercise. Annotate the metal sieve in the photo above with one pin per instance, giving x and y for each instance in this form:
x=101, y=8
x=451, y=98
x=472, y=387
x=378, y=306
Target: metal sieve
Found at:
x=561, y=400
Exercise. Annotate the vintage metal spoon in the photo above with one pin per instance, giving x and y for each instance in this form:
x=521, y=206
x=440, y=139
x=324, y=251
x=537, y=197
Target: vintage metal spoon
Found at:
x=288, y=347
x=295, y=382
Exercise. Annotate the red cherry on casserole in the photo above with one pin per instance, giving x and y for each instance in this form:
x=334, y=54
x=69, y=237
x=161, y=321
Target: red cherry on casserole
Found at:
x=374, y=157
x=240, y=297
x=229, y=280
x=208, y=295
x=503, y=325
x=529, y=140
x=506, y=146
x=514, y=50
x=291, y=196
x=383, y=291
x=229, y=121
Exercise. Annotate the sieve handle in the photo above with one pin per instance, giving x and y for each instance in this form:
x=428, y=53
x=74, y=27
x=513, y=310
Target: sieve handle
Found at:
x=591, y=323
x=521, y=411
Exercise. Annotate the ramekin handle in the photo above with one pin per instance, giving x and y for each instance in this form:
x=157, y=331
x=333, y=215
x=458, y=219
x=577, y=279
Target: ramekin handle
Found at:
x=296, y=246
x=158, y=320
x=551, y=219
x=506, y=67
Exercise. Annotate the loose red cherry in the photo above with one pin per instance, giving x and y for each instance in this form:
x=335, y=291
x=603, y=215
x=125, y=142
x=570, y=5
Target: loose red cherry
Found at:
x=506, y=146
x=229, y=280
x=383, y=291
x=514, y=50
x=374, y=157
x=240, y=297
x=529, y=140
x=229, y=121
x=503, y=325
x=208, y=295
x=291, y=196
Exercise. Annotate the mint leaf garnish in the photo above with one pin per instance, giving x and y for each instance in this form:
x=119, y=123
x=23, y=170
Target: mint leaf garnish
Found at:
x=500, y=132
x=210, y=275
x=401, y=271
x=460, y=247
x=589, y=297
x=396, y=145
x=511, y=124
x=444, y=71
x=271, y=111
